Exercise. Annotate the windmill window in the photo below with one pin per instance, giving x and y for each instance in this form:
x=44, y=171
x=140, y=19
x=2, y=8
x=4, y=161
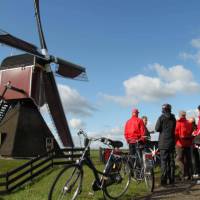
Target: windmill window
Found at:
x=49, y=143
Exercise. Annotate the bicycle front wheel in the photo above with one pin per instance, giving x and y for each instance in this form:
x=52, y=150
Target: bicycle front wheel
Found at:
x=118, y=180
x=67, y=184
x=149, y=179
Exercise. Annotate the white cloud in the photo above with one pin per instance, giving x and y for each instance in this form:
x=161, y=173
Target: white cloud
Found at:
x=196, y=43
x=76, y=123
x=115, y=133
x=196, y=56
x=167, y=83
x=73, y=102
x=174, y=73
x=193, y=113
x=112, y=133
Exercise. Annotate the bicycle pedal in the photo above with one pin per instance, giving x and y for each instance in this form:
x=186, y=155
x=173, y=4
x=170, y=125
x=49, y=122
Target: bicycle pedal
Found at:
x=104, y=177
x=91, y=193
x=95, y=186
x=79, y=192
x=134, y=179
x=66, y=189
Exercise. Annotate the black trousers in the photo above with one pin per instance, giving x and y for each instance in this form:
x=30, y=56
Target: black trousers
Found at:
x=167, y=165
x=132, y=151
x=183, y=160
x=196, y=160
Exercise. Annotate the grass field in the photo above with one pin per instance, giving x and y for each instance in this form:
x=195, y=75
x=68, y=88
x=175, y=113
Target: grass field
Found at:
x=39, y=188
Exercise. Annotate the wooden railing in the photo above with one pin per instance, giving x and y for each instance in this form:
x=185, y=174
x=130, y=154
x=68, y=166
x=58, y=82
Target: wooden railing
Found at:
x=36, y=166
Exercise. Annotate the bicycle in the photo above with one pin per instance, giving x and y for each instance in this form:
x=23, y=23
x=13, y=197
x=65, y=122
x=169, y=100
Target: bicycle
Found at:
x=113, y=181
x=141, y=165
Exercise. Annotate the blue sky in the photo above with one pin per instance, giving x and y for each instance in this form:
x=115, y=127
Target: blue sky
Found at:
x=137, y=53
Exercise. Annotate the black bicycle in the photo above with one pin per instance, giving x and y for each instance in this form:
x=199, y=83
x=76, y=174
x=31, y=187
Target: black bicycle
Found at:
x=141, y=165
x=113, y=181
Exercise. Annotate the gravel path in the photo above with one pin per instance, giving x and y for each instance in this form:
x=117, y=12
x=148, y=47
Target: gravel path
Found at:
x=189, y=190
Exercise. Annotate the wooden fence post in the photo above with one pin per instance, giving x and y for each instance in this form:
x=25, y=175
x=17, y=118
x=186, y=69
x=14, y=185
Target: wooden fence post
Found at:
x=31, y=164
x=72, y=153
x=52, y=157
x=7, y=179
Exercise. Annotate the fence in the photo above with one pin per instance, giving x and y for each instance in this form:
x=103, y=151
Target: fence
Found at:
x=28, y=171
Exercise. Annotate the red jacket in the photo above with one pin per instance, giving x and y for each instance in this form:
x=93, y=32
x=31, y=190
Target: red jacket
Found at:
x=134, y=130
x=183, y=133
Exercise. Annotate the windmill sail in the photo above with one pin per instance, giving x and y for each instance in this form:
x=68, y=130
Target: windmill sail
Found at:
x=43, y=78
x=39, y=25
x=56, y=109
x=68, y=69
x=10, y=40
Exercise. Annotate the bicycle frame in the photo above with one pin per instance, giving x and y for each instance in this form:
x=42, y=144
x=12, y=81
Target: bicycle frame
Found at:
x=137, y=155
x=86, y=160
x=138, y=158
x=113, y=181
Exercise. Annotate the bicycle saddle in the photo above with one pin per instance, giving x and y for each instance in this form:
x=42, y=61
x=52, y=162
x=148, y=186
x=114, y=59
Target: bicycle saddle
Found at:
x=113, y=143
x=116, y=144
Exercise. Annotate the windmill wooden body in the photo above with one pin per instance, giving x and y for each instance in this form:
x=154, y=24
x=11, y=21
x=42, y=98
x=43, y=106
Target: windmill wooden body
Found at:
x=26, y=84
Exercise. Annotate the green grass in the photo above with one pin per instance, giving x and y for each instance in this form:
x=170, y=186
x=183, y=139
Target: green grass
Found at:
x=8, y=164
x=39, y=188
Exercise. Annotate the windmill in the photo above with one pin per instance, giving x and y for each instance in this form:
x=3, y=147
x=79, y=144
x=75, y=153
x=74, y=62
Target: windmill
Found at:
x=27, y=82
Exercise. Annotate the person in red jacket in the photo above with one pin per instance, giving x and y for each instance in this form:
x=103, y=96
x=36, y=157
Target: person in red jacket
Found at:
x=184, y=138
x=134, y=131
x=197, y=131
x=196, y=148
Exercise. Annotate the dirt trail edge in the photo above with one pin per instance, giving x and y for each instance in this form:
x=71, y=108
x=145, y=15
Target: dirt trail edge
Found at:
x=189, y=190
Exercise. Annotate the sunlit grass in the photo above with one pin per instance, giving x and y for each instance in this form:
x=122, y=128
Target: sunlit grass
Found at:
x=39, y=188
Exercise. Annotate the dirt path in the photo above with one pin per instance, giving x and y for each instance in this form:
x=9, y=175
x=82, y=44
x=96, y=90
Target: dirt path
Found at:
x=181, y=191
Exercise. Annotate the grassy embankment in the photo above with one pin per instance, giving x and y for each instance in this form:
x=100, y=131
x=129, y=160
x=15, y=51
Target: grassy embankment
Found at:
x=39, y=188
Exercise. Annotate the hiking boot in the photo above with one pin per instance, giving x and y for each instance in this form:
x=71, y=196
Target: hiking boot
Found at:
x=171, y=181
x=195, y=176
x=187, y=178
x=163, y=183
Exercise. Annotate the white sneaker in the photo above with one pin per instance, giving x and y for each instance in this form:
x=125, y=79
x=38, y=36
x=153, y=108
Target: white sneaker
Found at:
x=195, y=175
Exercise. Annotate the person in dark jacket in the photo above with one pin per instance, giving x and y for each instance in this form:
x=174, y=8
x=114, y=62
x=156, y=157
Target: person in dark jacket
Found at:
x=145, y=120
x=147, y=132
x=166, y=125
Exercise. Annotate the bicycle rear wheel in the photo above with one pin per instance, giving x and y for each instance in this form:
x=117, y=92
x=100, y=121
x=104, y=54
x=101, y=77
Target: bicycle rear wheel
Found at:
x=118, y=180
x=149, y=179
x=67, y=184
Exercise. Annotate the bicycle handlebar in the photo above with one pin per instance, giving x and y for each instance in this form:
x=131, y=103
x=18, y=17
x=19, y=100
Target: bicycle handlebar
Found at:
x=101, y=139
x=104, y=140
x=140, y=139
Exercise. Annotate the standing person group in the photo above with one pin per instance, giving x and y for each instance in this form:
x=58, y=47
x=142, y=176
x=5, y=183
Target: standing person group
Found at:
x=180, y=136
